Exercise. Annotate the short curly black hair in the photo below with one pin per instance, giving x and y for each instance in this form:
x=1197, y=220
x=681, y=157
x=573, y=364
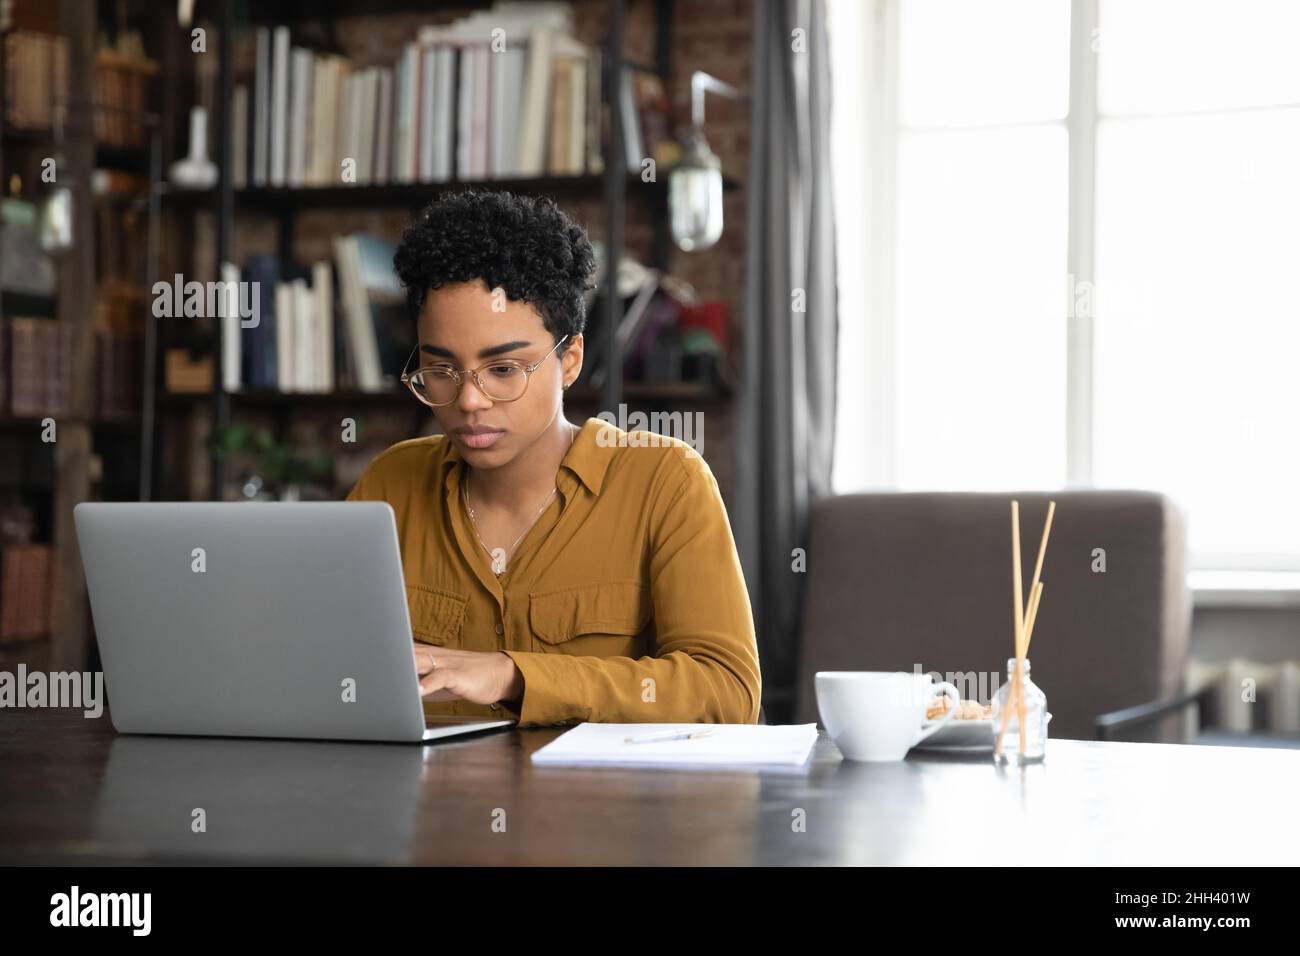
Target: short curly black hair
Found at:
x=527, y=246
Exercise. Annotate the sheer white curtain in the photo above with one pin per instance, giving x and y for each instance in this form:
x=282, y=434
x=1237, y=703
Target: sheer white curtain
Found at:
x=974, y=354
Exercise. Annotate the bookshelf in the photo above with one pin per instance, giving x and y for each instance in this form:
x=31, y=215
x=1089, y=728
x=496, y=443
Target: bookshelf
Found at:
x=615, y=187
x=97, y=451
x=73, y=310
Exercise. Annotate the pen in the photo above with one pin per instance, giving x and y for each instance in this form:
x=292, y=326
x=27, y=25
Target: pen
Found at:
x=667, y=735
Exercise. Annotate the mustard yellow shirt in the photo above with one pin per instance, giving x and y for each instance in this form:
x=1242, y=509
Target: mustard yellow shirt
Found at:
x=624, y=602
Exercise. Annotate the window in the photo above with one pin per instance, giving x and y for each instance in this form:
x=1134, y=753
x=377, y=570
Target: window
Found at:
x=1078, y=225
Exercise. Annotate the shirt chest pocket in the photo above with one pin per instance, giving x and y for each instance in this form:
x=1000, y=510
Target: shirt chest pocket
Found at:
x=600, y=619
x=437, y=616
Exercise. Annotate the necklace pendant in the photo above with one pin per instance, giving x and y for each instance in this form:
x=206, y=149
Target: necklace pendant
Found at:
x=499, y=565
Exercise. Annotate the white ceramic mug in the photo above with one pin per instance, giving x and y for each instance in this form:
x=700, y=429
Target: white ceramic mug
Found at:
x=879, y=715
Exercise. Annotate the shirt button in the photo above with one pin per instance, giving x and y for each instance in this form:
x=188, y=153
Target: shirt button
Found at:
x=500, y=629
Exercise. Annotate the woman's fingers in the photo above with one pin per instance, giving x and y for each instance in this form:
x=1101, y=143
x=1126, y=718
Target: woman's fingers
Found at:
x=435, y=681
x=435, y=667
x=435, y=673
x=424, y=660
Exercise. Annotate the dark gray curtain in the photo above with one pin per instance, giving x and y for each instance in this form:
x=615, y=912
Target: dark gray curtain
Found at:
x=787, y=402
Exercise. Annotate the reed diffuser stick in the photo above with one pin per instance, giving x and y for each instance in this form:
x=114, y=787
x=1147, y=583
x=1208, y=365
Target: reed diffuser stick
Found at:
x=1018, y=619
x=1035, y=590
x=1034, y=600
x=1042, y=548
x=1015, y=573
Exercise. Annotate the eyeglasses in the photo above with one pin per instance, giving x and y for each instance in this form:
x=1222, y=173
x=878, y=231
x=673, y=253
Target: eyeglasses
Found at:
x=505, y=381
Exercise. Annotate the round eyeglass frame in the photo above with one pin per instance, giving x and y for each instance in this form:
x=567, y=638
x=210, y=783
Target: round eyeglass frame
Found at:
x=458, y=376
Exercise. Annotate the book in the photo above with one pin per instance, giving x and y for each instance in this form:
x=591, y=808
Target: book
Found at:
x=285, y=324
x=404, y=80
x=430, y=66
x=36, y=71
x=239, y=136
x=507, y=84
x=480, y=128
x=231, y=326
x=262, y=109
x=537, y=88
x=568, y=108
x=279, y=106
x=299, y=135
x=323, y=121
x=40, y=353
x=322, y=282
x=366, y=93
x=444, y=112
x=304, y=344
x=258, y=343
x=356, y=311
x=466, y=112
x=26, y=590
x=383, y=128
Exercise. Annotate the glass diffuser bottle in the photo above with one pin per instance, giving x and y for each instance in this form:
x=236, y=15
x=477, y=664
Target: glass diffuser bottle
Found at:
x=1035, y=719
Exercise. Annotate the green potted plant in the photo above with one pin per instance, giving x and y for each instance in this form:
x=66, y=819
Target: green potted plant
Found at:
x=280, y=469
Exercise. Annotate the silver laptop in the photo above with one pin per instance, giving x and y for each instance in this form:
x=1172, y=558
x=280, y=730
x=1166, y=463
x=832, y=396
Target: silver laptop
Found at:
x=256, y=619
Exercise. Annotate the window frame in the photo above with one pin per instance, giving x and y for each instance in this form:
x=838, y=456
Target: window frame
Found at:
x=878, y=39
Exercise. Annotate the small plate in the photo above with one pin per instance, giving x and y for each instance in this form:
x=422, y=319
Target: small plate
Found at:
x=966, y=736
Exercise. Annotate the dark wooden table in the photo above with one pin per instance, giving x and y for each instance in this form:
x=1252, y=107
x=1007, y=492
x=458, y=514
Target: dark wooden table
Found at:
x=72, y=791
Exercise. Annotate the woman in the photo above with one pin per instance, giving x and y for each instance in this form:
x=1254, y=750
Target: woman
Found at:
x=555, y=573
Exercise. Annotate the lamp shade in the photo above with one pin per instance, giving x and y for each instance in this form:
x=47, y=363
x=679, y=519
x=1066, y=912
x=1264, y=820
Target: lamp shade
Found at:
x=695, y=195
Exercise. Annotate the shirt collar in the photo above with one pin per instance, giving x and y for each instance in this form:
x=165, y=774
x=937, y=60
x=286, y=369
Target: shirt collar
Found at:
x=587, y=458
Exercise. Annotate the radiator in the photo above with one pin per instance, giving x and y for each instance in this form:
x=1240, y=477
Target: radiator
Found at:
x=1249, y=696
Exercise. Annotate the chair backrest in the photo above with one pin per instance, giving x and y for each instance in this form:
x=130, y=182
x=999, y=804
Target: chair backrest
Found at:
x=901, y=581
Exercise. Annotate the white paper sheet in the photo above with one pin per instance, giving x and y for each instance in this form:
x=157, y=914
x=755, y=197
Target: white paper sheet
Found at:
x=730, y=745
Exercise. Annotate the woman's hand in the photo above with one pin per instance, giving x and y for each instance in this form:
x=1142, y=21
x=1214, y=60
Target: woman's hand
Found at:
x=477, y=676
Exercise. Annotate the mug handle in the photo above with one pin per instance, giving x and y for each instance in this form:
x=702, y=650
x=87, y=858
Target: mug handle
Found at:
x=951, y=692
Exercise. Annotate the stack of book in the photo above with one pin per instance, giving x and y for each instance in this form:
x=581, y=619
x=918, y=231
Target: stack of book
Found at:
x=36, y=86
x=301, y=342
x=36, y=79
x=39, y=367
x=122, y=84
x=290, y=348
x=26, y=585
x=497, y=95
x=36, y=370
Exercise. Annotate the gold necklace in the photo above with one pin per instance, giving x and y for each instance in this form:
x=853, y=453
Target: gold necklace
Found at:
x=499, y=559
